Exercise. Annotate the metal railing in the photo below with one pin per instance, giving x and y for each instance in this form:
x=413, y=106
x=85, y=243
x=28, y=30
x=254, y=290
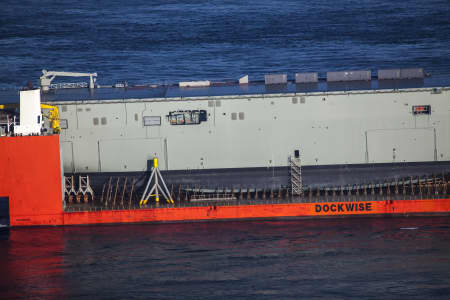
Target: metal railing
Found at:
x=68, y=85
x=425, y=188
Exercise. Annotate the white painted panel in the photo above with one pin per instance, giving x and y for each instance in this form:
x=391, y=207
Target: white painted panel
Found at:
x=121, y=155
x=85, y=155
x=110, y=116
x=401, y=145
x=30, y=113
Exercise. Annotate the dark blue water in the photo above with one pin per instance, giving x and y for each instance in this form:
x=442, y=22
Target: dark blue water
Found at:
x=403, y=258
x=160, y=41
x=168, y=41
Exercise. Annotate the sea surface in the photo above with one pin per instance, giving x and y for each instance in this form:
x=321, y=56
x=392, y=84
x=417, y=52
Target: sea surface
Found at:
x=390, y=258
x=157, y=41
x=164, y=41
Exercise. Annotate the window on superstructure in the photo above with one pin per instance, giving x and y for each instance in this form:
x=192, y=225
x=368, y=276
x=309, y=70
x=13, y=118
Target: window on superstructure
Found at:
x=187, y=117
x=152, y=120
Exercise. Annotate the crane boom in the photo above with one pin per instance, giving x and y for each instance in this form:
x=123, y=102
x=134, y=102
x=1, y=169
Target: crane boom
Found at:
x=48, y=76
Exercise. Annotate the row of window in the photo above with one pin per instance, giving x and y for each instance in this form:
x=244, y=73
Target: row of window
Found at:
x=187, y=117
x=102, y=121
x=234, y=116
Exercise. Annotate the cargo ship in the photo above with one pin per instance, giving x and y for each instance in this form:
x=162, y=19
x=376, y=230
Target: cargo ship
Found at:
x=350, y=143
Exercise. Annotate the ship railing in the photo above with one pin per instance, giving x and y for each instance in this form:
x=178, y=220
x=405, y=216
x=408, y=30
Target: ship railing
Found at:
x=68, y=85
x=420, y=188
x=7, y=125
x=315, y=199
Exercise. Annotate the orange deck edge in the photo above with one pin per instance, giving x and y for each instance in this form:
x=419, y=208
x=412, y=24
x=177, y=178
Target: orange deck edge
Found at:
x=31, y=176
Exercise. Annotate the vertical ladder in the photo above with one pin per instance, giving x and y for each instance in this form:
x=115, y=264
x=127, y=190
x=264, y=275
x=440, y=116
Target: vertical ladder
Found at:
x=296, y=176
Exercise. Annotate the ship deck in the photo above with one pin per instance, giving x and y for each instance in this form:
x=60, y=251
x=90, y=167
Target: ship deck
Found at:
x=224, y=88
x=124, y=199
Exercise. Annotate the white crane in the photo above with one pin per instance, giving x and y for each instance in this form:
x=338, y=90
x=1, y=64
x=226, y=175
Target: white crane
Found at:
x=48, y=76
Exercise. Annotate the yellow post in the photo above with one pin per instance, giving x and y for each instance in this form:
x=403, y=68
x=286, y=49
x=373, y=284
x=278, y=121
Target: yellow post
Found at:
x=155, y=165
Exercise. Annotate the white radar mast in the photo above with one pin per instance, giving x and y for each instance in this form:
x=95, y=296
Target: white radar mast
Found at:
x=48, y=76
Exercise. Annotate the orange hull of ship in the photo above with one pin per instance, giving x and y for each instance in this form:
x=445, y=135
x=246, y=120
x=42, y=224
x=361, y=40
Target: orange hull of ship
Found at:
x=262, y=211
x=30, y=175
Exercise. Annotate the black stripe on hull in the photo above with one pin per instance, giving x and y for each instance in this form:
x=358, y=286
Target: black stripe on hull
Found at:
x=276, y=177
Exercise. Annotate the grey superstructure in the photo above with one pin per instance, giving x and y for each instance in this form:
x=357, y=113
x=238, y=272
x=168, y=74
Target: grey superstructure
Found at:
x=344, y=132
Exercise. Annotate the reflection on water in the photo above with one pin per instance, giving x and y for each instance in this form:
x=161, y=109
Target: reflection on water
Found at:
x=31, y=262
x=276, y=259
